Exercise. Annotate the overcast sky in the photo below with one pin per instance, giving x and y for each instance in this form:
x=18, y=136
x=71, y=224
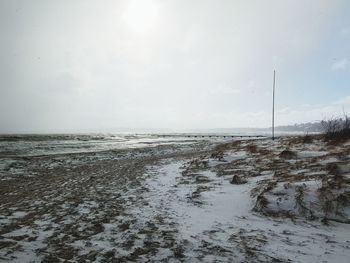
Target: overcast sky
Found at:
x=179, y=64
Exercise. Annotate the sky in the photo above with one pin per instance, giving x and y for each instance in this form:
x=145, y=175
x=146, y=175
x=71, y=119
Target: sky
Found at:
x=96, y=66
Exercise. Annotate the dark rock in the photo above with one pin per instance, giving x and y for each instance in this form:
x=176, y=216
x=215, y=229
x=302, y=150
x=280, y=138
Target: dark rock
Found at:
x=236, y=179
x=287, y=154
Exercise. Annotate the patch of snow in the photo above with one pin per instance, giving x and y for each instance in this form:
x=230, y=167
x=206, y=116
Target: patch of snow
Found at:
x=228, y=157
x=17, y=215
x=85, y=208
x=231, y=156
x=329, y=160
x=306, y=154
x=299, y=171
x=226, y=213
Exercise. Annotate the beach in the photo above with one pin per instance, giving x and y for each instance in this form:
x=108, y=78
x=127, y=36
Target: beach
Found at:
x=174, y=199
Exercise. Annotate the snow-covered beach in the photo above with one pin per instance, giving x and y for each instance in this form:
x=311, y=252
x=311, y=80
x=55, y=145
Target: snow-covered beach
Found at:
x=180, y=199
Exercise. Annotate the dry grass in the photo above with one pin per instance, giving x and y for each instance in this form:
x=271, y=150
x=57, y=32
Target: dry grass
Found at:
x=306, y=139
x=334, y=198
x=337, y=129
x=299, y=198
x=252, y=148
x=303, y=139
x=218, y=155
x=227, y=146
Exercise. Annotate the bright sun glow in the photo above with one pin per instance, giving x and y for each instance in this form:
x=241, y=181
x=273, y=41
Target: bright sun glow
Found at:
x=141, y=16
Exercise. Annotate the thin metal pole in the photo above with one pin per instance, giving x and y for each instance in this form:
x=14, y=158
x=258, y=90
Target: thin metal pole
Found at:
x=273, y=105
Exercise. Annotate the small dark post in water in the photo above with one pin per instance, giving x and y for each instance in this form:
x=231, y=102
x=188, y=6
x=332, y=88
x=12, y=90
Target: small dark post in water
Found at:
x=273, y=105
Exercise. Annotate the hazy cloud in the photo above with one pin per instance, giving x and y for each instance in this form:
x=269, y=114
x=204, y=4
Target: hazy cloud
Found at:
x=344, y=101
x=345, y=32
x=90, y=65
x=342, y=64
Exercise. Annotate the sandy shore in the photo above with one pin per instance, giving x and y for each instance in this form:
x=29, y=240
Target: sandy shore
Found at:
x=243, y=201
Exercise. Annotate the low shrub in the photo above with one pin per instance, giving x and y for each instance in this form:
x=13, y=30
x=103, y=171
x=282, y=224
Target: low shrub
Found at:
x=337, y=128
